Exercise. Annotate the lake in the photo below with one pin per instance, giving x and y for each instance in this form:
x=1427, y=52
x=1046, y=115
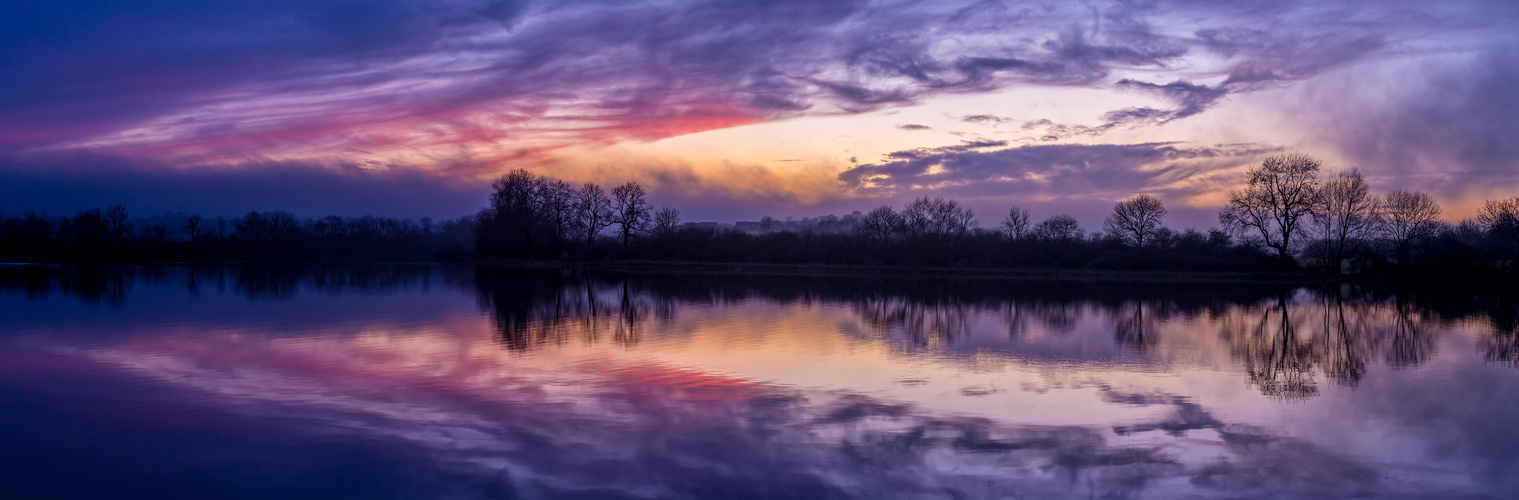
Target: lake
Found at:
x=465, y=382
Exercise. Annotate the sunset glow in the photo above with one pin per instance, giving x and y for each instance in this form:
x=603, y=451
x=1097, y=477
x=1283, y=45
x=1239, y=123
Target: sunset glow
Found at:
x=732, y=110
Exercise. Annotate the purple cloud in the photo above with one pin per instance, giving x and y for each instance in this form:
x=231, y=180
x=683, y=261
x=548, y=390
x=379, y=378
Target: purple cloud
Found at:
x=340, y=77
x=974, y=168
x=476, y=86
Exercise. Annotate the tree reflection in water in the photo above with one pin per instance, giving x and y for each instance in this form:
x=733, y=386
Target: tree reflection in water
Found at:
x=1409, y=345
x=1285, y=338
x=535, y=309
x=1503, y=345
x=630, y=425
x=1130, y=326
x=1284, y=342
x=1277, y=359
x=922, y=322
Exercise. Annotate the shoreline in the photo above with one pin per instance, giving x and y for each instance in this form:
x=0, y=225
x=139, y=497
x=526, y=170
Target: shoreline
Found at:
x=844, y=270
x=849, y=270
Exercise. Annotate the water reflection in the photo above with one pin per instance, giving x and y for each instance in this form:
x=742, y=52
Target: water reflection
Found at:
x=499, y=383
x=1285, y=337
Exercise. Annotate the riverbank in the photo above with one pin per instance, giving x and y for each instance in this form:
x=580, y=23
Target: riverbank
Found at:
x=1300, y=277
x=673, y=267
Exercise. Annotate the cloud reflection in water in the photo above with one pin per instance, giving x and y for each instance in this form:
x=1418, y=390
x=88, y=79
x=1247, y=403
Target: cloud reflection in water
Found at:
x=543, y=397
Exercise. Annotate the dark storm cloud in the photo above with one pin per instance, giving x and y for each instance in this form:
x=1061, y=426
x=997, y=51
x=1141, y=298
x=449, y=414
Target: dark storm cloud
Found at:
x=76, y=183
x=1058, y=169
x=1454, y=123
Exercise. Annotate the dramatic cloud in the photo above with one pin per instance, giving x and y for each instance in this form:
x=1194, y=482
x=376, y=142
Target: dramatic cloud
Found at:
x=395, y=77
x=227, y=79
x=975, y=169
x=1439, y=132
x=1267, y=59
x=470, y=88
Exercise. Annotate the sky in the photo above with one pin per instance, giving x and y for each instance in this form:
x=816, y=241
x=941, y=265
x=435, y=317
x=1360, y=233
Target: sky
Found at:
x=732, y=109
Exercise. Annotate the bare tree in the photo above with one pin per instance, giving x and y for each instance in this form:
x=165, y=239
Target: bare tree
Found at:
x=880, y=225
x=252, y=227
x=1059, y=228
x=937, y=218
x=630, y=211
x=1346, y=215
x=192, y=227
x=509, y=225
x=666, y=221
x=1136, y=219
x=1016, y=225
x=281, y=224
x=558, y=209
x=117, y=227
x=593, y=211
x=516, y=195
x=1500, y=219
x=1407, y=217
x=1282, y=191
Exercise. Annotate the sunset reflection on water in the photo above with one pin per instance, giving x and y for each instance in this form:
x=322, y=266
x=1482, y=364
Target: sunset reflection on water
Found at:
x=485, y=383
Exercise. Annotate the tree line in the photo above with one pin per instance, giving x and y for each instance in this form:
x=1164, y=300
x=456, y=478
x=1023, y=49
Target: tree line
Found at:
x=111, y=234
x=1289, y=216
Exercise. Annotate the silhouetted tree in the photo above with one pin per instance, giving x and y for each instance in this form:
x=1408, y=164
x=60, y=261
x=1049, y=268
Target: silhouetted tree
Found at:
x=88, y=233
x=117, y=226
x=1407, y=218
x=558, y=210
x=1136, y=220
x=937, y=218
x=192, y=227
x=508, y=225
x=880, y=225
x=1059, y=228
x=252, y=227
x=1016, y=224
x=593, y=211
x=1346, y=215
x=666, y=221
x=1500, y=219
x=1281, y=191
x=630, y=212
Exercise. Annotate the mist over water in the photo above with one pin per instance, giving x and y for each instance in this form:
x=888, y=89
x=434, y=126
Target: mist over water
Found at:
x=479, y=382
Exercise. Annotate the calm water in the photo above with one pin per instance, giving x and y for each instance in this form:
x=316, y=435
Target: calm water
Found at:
x=456, y=382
